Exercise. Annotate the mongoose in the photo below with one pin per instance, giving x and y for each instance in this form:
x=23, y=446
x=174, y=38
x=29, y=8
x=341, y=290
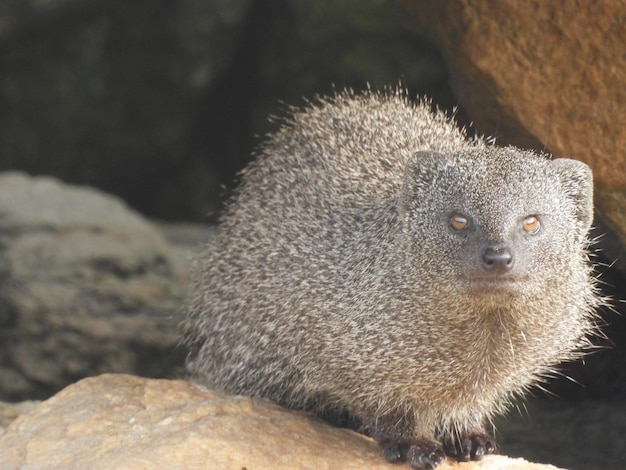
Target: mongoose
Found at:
x=379, y=262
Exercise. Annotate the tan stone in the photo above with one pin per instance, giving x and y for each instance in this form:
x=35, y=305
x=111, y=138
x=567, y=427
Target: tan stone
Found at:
x=548, y=75
x=10, y=411
x=122, y=421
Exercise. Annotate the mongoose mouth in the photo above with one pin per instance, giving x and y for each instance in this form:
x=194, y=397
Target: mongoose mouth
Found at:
x=496, y=283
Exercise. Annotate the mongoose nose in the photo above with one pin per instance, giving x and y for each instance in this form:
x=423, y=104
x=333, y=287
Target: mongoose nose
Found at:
x=497, y=260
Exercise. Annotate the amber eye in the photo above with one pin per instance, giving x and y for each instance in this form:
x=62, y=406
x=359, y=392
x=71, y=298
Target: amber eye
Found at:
x=458, y=222
x=531, y=224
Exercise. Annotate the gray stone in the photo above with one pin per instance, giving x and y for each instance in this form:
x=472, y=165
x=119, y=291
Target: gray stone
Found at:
x=86, y=285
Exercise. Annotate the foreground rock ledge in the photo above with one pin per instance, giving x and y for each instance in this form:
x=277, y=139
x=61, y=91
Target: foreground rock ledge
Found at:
x=122, y=421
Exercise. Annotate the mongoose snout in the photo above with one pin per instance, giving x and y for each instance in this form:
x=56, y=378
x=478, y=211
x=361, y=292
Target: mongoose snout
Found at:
x=497, y=260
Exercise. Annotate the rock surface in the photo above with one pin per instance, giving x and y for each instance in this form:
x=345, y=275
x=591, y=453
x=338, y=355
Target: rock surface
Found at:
x=544, y=75
x=10, y=411
x=120, y=421
x=86, y=286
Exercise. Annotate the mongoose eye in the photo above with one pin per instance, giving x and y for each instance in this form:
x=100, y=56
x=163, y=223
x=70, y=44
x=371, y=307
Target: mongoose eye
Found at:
x=531, y=224
x=459, y=222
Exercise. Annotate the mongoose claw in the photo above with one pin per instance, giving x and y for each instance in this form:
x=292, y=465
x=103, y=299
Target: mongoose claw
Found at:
x=471, y=447
x=421, y=458
x=420, y=454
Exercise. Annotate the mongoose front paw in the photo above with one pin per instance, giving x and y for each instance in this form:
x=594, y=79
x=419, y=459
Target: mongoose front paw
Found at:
x=470, y=447
x=419, y=454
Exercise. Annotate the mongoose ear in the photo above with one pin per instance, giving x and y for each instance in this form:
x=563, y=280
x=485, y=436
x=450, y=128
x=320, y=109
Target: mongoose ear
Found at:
x=577, y=182
x=422, y=171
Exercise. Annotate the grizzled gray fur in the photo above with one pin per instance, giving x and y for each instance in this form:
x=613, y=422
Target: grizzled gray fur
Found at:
x=376, y=261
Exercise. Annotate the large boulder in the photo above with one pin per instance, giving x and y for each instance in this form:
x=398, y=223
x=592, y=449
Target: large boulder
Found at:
x=87, y=285
x=119, y=421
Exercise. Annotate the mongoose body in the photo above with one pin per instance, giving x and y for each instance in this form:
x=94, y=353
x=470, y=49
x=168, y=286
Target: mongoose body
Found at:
x=378, y=262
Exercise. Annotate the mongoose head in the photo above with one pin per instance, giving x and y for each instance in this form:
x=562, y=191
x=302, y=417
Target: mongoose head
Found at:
x=496, y=221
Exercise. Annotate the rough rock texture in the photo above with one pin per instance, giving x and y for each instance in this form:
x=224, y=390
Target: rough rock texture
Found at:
x=10, y=411
x=544, y=75
x=120, y=421
x=86, y=286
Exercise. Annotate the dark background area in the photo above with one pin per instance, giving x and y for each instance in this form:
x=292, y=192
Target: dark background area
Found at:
x=161, y=102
